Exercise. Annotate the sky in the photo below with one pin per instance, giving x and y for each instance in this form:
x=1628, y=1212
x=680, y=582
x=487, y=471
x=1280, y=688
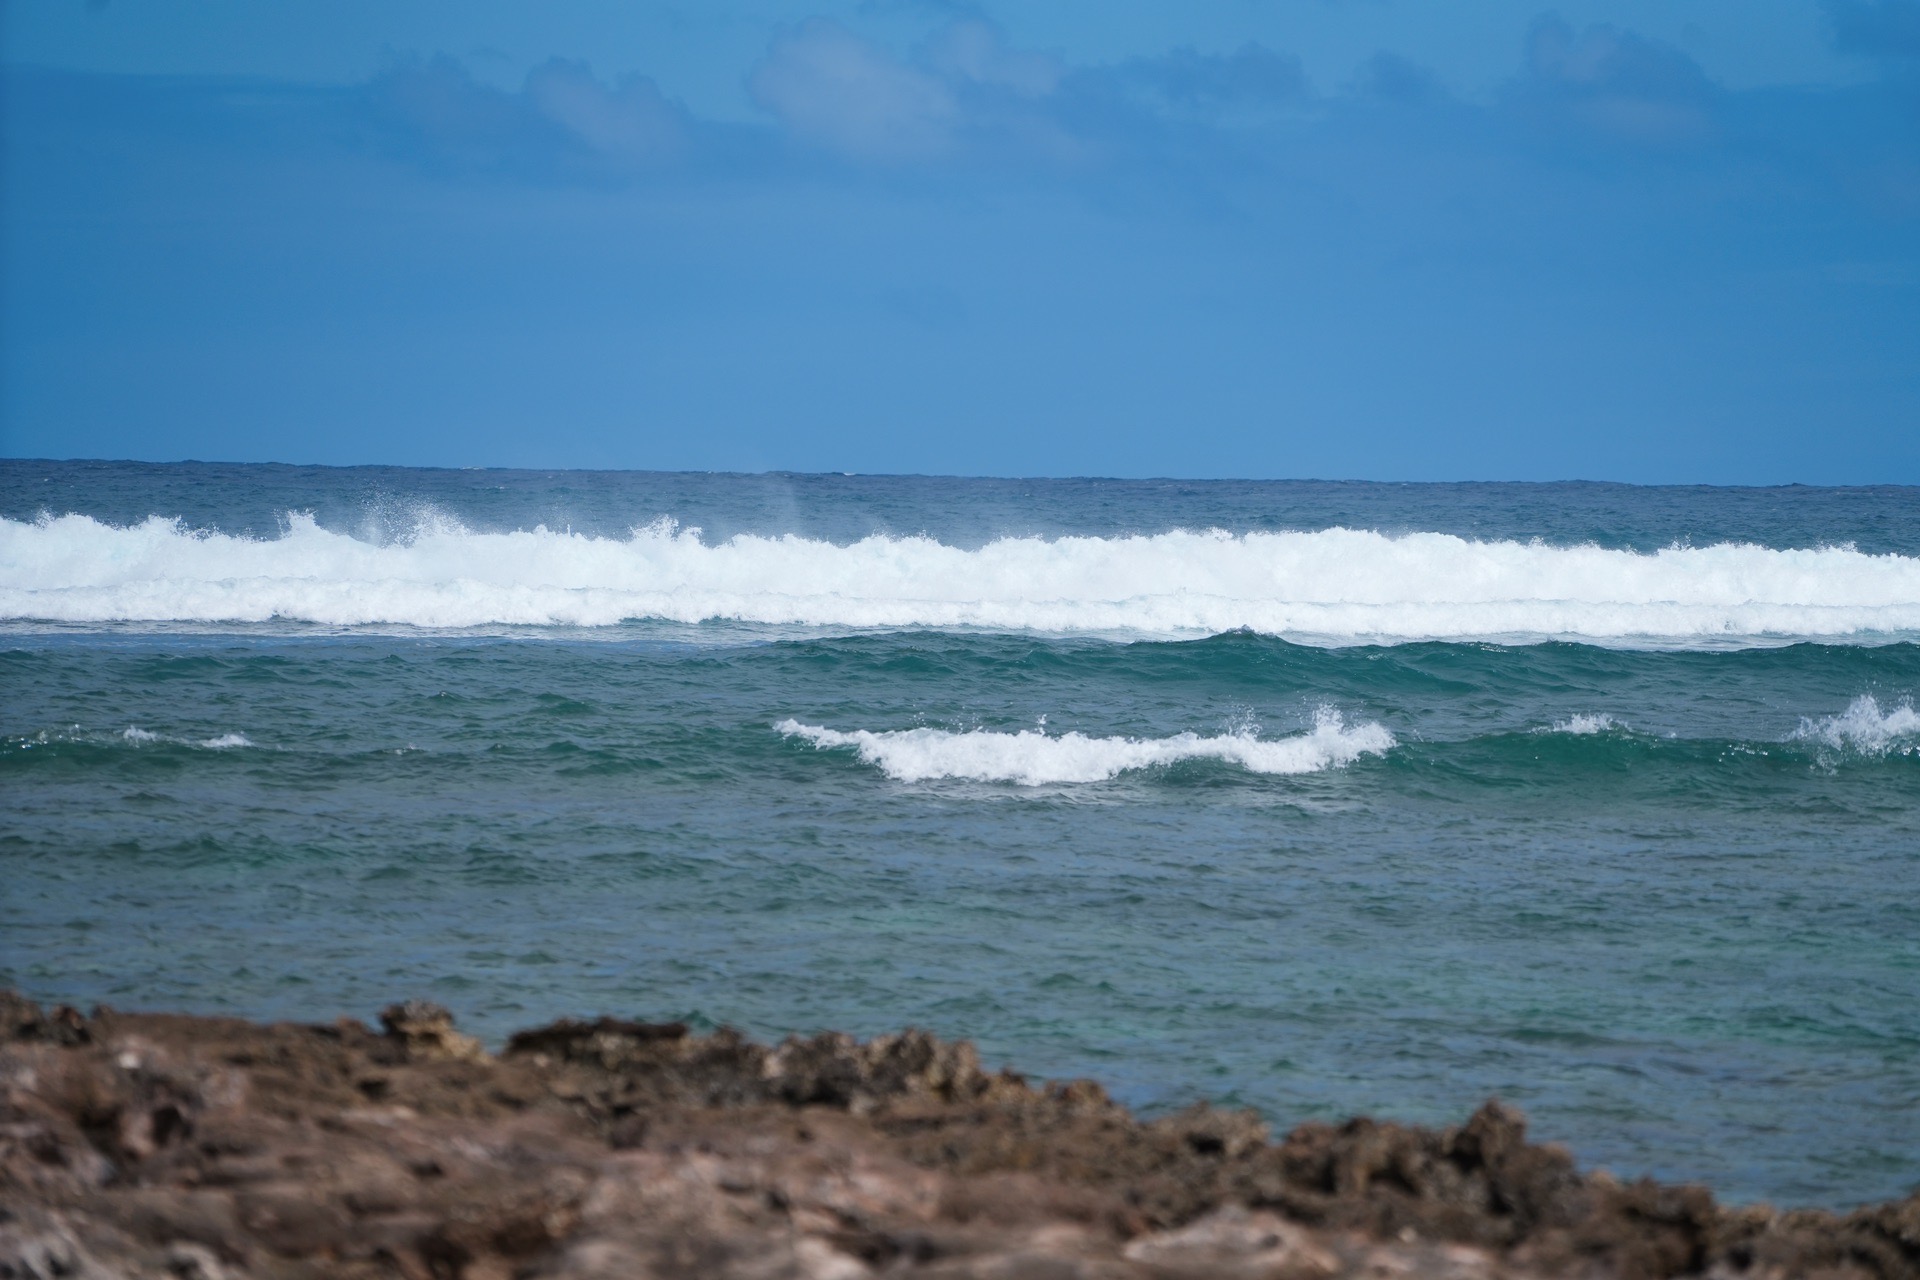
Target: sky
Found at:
x=1672, y=242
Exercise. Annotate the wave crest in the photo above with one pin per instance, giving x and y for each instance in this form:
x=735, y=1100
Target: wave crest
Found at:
x=1333, y=584
x=1865, y=729
x=1582, y=724
x=1033, y=758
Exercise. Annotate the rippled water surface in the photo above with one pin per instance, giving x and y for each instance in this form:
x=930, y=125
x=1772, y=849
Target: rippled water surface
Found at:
x=1314, y=798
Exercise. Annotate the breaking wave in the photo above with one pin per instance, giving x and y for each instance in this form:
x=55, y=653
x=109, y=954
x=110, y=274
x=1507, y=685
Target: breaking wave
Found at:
x=1033, y=758
x=139, y=737
x=1864, y=728
x=1582, y=725
x=133, y=735
x=1330, y=585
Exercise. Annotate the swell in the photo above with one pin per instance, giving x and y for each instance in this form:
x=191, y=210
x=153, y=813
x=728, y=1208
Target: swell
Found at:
x=1863, y=740
x=1334, y=585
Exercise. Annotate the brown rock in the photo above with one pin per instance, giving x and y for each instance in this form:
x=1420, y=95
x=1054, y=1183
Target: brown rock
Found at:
x=426, y=1031
x=155, y=1146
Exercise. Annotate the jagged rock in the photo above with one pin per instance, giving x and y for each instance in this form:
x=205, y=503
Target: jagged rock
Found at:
x=834, y=1069
x=603, y=1040
x=22, y=1019
x=1207, y=1132
x=205, y=1148
x=426, y=1031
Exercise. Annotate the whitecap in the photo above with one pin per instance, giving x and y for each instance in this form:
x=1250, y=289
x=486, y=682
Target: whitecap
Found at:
x=1033, y=757
x=141, y=737
x=1327, y=586
x=1864, y=728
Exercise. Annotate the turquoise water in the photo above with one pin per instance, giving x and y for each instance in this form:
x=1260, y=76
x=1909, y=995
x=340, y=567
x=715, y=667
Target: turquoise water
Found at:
x=977, y=755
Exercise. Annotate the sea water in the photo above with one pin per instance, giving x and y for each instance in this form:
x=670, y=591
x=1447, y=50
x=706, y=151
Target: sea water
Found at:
x=1314, y=798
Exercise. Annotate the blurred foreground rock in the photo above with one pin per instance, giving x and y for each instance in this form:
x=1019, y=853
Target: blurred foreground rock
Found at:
x=200, y=1148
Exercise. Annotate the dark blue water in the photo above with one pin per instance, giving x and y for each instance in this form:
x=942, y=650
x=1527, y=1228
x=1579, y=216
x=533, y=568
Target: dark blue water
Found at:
x=339, y=737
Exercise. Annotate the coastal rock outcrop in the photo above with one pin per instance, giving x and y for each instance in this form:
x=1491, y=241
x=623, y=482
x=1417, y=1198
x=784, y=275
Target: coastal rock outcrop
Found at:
x=168, y=1146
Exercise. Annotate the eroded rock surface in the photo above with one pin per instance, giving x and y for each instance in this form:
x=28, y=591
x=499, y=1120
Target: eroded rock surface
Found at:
x=166, y=1146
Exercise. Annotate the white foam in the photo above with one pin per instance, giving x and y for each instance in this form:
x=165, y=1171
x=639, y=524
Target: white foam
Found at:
x=1582, y=725
x=141, y=737
x=1333, y=585
x=1034, y=758
x=1866, y=729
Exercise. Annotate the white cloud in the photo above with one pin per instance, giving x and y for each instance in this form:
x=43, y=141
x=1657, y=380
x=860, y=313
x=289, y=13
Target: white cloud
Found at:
x=833, y=88
x=631, y=121
x=976, y=52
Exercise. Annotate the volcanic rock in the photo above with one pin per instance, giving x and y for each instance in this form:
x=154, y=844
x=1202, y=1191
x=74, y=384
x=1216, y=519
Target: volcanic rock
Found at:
x=158, y=1146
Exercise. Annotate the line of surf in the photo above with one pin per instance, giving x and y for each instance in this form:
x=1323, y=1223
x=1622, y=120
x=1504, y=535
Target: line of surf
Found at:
x=1332, y=584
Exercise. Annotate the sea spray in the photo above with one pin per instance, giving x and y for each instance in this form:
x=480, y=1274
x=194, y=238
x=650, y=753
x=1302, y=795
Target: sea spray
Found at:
x=1864, y=728
x=1330, y=585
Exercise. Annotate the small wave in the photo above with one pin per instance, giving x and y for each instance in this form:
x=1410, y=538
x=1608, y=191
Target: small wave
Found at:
x=222, y=742
x=1034, y=758
x=1865, y=729
x=1326, y=586
x=1582, y=725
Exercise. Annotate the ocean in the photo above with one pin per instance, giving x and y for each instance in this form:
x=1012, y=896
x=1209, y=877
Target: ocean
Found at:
x=1316, y=798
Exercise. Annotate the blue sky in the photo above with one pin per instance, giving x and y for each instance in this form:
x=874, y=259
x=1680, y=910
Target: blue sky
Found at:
x=1336, y=238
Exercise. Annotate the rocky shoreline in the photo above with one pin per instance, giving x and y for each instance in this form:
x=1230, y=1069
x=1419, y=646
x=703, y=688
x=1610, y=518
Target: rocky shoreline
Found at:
x=150, y=1145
